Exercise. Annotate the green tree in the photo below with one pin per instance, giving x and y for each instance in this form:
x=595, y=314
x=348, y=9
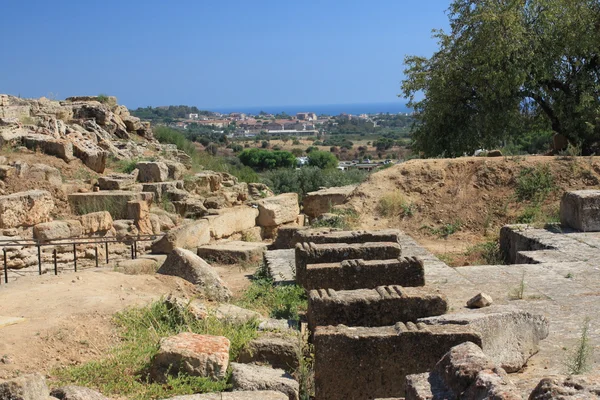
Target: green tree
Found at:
x=322, y=159
x=505, y=68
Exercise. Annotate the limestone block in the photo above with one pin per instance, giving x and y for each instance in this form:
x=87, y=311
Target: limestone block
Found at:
x=185, y=264
x=26, y=387
x=192, y=354
x=25, y=208
x=319, y=202
x=253, y=377
x=580, y=210
x=51, y=231
x=49, y=145
x=277, y=351
x=152, y=171
x=113, y=201
x=233, y=252
x=100, y=221
x=277, y=210
x=567, y=388
x=480, y=300
x=187, y=236
x=72, y=392
x=139, y=211
x=92, y=155
x=232, y=220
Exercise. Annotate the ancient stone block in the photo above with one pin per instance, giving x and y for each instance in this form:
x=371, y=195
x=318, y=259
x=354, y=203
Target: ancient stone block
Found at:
x=232, y=220
x=100, y=221
x=361, y=274
x=508, y=336
x=382, y=306
x=113, y=201
x=73, y=392
x=25, y=208
x=233, y=252
x=49, y=145
x=159, y=189
x=26, y=387
x=310, y=253
x=580, y=210
x=152, y=171
x=139, y=211
x=117, y=181
x=319, y=202
x=51, y=231
x=277, y=210
x=187, y=236
x=277, y=351
x=185, y=264
x=254, y=377
x=92, y=155
x=192, y=354
x=567, y=388
x=321, y=236
x=366, y=363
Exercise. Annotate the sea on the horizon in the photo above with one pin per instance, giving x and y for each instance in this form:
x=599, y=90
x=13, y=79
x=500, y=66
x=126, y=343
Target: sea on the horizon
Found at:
x=327, y=109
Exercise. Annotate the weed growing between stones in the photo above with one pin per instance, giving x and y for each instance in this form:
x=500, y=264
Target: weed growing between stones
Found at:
x=304, y=374
x=579, y=361
x=344, y=219
x=123, y=373
x=518, y=293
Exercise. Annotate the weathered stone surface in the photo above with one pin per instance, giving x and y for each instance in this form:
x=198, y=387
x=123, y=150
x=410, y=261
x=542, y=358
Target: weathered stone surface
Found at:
x=480, y=300
x=117, y=181
x=194, y=306
x=77, y=393
x=277, y=210
x=232, y=220
x=253, y=377
x=382, y=306
x=580, y=210
x=366, y=363
x=185, y=264
x=277, y=351
x=139, y=211
x=92, y=155
x=152, y=171
x=187, y=236
x=100, y=221
x=514, y=239
x=326, y=235
x=235, y=314
x=359, y=274
x=310, y=253
x=192, y=354
x=176, y=169
x=285, y=237
x=509, y=337
x=43, y=172
x=26, y=387
x=233, y=252
x=49, y=145
x=567, y=388
x=138, y=266
x=113, y=201
x=319, y=202
x=281, y=265
x=159, y=189
x=25, y=208
x=204, y=182
x=51, y=231
x=241, y=395
x=190, y=208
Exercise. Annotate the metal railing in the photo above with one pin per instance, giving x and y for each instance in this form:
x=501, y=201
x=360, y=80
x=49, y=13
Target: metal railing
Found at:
x=39, y=244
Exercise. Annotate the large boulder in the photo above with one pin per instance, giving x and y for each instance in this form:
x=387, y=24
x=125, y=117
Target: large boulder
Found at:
x=254, y=377
x=26, y=387
x=100, y=221
x=277, y=351
x=187, y=236
x=140, y=213
x=152, y=171
x=185, y=264
x=43, y=172
x=73, y=392
x=113, y=201
x=320, y=202
x=25, y=208
x=579, y=210
x=92, y=155
x=277, y=210
x=51, y=231
x=60, y=148
x=567, y=388
x=233, y=220
x=195, y=355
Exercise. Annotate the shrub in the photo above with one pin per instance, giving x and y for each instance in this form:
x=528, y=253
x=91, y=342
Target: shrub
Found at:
x=579, y=361
x=394, y=204
x=322, y=159
x=266, y=160
x=534, y=184
x=309, y=179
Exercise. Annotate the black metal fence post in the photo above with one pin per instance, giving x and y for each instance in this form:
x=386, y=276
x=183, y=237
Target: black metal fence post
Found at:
x=55, y=263
x=75, y=256
x=132, y=251
x=5, y=267
x=39, y=249
x=106, y=246
x=96, y=254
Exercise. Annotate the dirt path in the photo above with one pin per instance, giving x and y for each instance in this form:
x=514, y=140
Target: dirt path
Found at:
x=68, y=317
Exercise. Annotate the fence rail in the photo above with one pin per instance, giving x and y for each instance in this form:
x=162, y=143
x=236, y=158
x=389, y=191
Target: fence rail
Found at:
x=39, y=244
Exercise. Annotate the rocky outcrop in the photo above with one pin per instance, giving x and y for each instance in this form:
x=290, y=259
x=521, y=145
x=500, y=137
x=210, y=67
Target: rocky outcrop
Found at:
x=100, y=221
x=187, y=236
x=150, y=171
x=277, y=210
x=185, y=264
x=25, y=208
x=320, y=202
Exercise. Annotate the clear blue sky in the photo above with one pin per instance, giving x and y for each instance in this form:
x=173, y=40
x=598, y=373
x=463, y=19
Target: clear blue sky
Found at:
x=214, y=53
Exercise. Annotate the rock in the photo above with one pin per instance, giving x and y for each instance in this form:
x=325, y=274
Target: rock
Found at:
x=43, y=172
x=258, y=191
x=100, y=221
x=215, y=203
x=277, y=325
x=194, y=306
x=176, y=169
x=204, y=182
x=138, y=266
x=509, y=337
x=190, y=208
x=185, y=264
x=72, y=392
x=152, y=171
x=139, y=211
x=277, y=210
x=253, y=377
x=49, y=145
x=155, y=223
x=113, y=201
x=567, y=388
x=232, y=220
x=278, y=352
x=233, y=252
x=187, y=236
x=117, y=181
x=494, y=153
x=92, y=155
x=241, y=395
x=51, y=231
x=26, y=387
x=192, y=354
x=319, y=202
x=480, y=300
x=235, y=314
x=579, y=210
x=25, y=208
x=161, y=188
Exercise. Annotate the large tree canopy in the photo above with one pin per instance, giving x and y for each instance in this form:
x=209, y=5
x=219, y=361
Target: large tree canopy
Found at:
x=505, y=68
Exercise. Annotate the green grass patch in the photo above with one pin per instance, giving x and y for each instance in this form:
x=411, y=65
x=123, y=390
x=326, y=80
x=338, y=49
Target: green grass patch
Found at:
x=534, y=184
x=342, y=219
x=393, y=204
x=123, y=373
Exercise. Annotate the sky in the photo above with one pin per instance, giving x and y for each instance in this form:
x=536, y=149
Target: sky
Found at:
x=219, y=53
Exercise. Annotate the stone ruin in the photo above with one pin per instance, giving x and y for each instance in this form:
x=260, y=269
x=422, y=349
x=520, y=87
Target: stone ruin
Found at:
x=375, y=322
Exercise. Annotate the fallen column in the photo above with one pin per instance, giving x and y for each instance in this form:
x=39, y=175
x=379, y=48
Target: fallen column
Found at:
x=361, y=274
x=382, y=306
x=326, y=236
